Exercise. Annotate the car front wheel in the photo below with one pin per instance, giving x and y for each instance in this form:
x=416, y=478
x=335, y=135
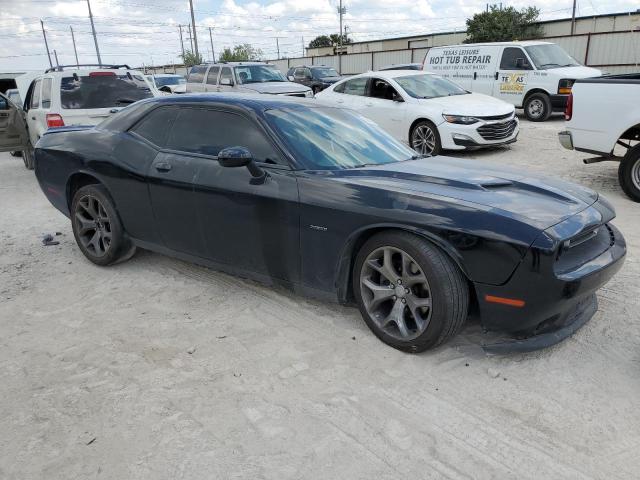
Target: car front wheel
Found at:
x=97, y=228
x=411, y=295
x=537, y=107
x=629, y=173
x=425, y=139
x=27, y=157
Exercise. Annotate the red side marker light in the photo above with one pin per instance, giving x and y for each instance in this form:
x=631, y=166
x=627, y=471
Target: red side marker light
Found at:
x=511, y=302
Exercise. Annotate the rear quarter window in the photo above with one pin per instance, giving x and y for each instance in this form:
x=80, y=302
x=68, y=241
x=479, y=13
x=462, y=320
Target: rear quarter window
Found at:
x=156, y=125
x=103, y=91
x=196, y=74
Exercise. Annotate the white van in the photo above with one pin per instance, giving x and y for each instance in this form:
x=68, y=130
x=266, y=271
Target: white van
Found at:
x=533, y=75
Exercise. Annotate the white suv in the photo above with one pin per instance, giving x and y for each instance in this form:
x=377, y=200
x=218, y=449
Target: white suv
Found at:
x=84, y=95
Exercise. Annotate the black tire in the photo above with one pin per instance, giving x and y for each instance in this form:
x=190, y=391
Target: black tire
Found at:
x=537, y=107
x=629, y=173
x=27, y=157
x=448, y=291
x=426, y=126
x=97, y=227
x=315, y=90
x=16, y=154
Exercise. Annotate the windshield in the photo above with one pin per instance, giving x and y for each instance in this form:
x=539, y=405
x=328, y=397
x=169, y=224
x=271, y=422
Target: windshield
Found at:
x=550, y=55
x=258, y=74
x=163, y=81
x=331, y=139
x=102, y=91
x=324, y=72
x=429, y=86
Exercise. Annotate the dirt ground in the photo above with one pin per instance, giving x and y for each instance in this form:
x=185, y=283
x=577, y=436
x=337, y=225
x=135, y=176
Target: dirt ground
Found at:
x=157, y=369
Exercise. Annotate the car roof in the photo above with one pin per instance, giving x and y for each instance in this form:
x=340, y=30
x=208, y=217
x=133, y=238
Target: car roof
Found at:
x=257, y=102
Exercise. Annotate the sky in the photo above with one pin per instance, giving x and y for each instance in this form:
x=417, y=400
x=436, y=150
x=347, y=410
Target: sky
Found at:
x=146, y=32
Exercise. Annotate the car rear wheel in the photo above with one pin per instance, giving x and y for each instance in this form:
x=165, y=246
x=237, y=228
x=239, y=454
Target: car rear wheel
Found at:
x=629, y=173
x=411, y=295
x=15, y=154
x=537, y=107
x=97, y=227
x=425, y=139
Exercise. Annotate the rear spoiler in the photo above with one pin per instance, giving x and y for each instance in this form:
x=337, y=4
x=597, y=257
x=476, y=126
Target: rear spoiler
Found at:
x=70, y=128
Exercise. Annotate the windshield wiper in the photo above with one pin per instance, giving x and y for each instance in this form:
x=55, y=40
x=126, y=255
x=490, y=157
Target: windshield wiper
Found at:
x=549, y=64
x=366, y=165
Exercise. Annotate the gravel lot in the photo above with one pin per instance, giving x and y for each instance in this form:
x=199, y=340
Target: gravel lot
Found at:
x=99, y=377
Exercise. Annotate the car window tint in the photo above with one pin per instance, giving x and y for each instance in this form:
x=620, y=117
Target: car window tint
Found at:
x=102, y=91
x=510, y=57
x=46, y=93
x=4, y=104
x=226, y=74
x=299, y=73
x=339, y=88
x=205, y=131
x=156, y=125
x=212, y=76
x=381, y=89
x=196, y=74
x=35, y=96
x=356, y=86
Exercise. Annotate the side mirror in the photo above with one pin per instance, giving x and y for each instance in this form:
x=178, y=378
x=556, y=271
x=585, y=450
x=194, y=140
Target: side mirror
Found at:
x=226, y=81
x=233, y=157
x=398, y=98
x=290, y=78
x=522, y=63
x=4, y=105
x=165, y=89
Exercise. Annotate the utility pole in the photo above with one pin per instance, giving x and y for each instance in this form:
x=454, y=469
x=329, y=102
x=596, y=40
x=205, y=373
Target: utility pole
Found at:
x=93, y=30
x=44, y=34
x=213, y=53
x=573, y=18
x=181, y=42
x=193, y=22
x=55, y=54
x=73, y=38
x=341, y=12
x=278, y=47
x=190, y=38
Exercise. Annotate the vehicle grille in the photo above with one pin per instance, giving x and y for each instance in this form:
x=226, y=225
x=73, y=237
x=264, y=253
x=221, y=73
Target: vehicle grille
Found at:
x=497, y=131
x=496, y=117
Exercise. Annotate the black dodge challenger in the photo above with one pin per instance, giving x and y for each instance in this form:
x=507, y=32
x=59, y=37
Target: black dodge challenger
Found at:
x=322, y=201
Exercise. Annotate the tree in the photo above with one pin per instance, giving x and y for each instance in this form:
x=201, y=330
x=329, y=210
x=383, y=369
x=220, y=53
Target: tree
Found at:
x=241, y=53
x=190, y=59
x=329, y=40
x=503, y=24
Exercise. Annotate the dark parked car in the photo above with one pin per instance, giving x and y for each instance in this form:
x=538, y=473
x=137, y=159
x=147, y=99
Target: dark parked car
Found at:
x=403, y=66
x=322, y=201
x=316, y=77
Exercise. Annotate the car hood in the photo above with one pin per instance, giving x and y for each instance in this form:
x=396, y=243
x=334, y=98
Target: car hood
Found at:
x=330, y=79
x=540, y=202
x=276, y=87
x=575, y=72
x=180, y=88
x=472, y=104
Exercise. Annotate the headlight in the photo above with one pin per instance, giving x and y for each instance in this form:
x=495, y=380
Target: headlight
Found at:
x=459, y=119
x=564, y=86
x=308, y=93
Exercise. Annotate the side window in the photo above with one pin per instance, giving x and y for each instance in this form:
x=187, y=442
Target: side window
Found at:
x=226, y=74
x=356, y=86
x=156, y=125
x=196, y=74
x=299, y=73
x=212, y=76
x=35, y=96
x=200, y=130
x=46, y=93
x=307, y=73
x=339, y=88
x=513, y=58
x=381, y=89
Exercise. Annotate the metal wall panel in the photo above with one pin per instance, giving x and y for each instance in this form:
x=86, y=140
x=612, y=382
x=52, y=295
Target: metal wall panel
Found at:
x=382, y=59
x=356, y=63
x=329, y=61
x=614, y=48
x=283, y=65
x=574, y=46
x=419, y=54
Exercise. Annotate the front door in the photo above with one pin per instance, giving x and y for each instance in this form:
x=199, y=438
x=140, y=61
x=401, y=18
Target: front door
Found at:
x=245, y=225
x=385, y=106
x=211, y=83
x=13, y=130
x=513, y=75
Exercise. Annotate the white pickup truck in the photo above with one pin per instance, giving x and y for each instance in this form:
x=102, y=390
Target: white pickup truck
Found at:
x=604, y=113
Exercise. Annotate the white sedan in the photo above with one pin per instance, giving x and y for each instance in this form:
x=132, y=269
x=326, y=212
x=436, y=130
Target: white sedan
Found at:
x=426, y=111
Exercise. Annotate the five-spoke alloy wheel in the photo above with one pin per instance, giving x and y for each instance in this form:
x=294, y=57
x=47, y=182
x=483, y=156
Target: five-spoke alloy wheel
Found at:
x=425, y=139
x=97, y=227
x=410, y=293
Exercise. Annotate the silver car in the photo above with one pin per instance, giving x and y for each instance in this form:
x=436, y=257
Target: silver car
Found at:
x=243, y=77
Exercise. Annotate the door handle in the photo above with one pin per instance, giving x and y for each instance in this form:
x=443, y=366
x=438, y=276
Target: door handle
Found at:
x=339, y=101
x=163, y=166
x=33, y=118
x=369, y=104
x=496, y=76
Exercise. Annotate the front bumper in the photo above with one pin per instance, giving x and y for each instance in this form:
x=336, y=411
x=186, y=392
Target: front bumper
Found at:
x=555, y=303
x=566, y=140
x=460, y=137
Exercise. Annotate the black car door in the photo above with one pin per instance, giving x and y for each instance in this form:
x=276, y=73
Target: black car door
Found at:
x=247, y=226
